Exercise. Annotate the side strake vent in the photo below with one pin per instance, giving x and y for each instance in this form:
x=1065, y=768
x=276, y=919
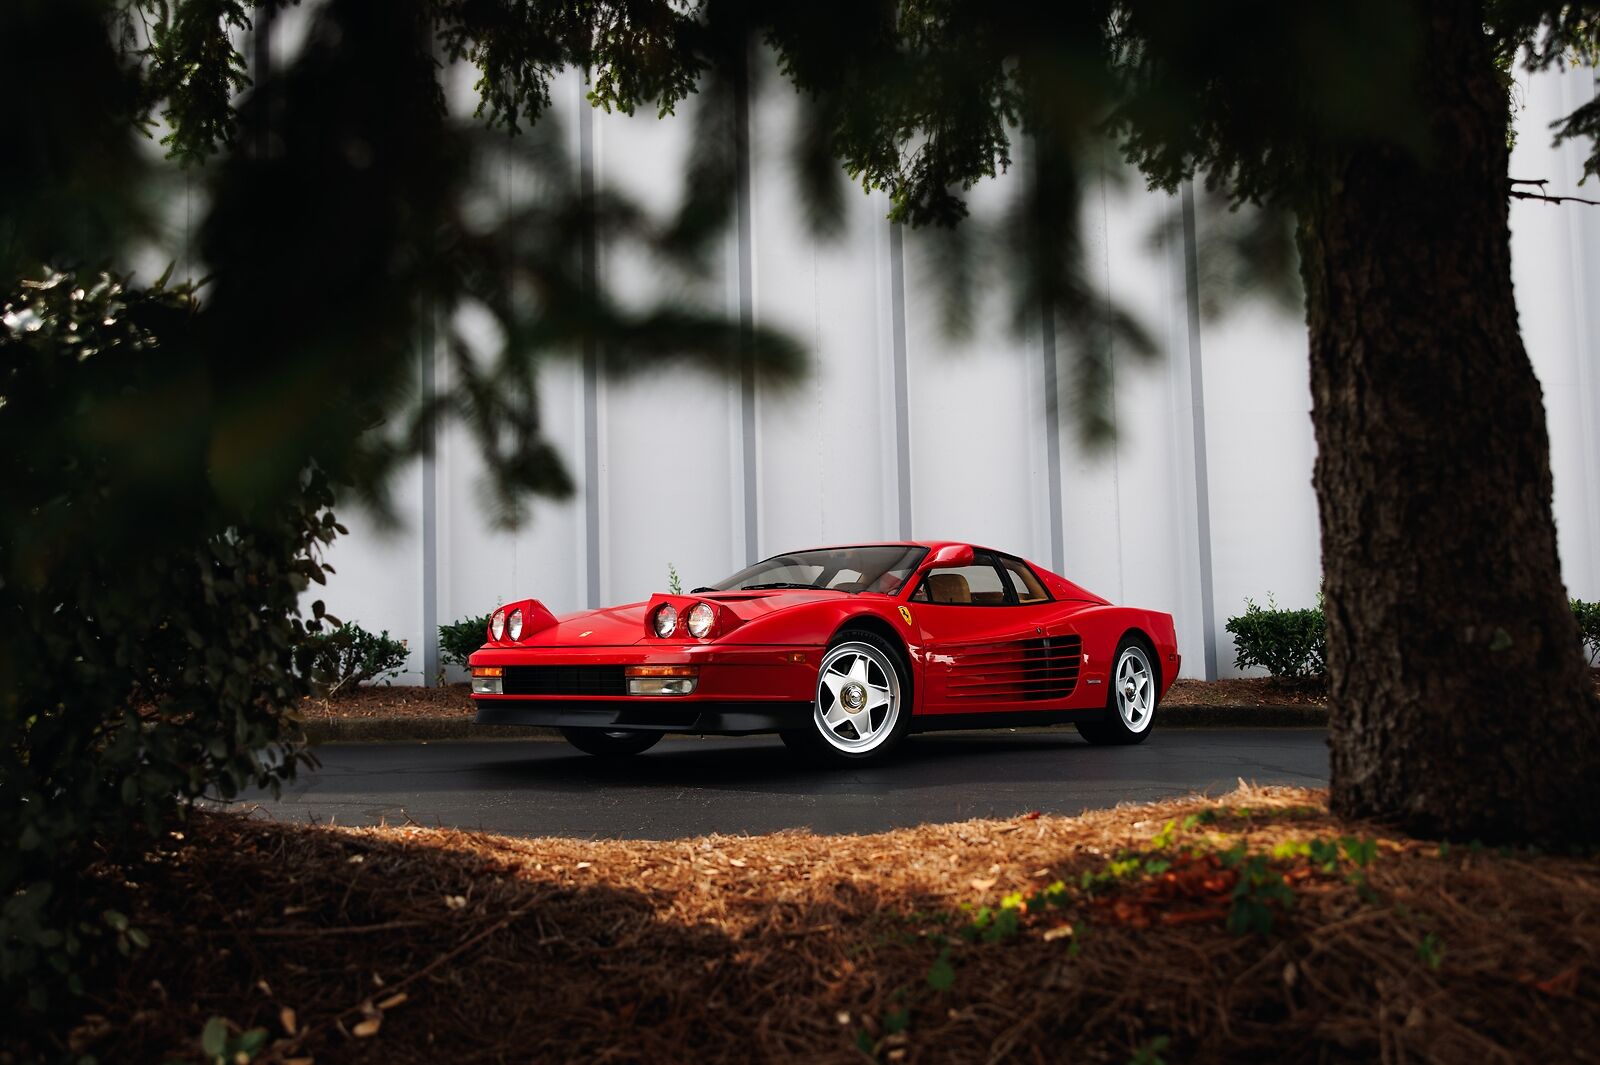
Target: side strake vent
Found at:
x=1041, y=669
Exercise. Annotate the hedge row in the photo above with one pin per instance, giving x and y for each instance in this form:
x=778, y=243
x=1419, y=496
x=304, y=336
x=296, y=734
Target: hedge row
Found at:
x=1290, y=644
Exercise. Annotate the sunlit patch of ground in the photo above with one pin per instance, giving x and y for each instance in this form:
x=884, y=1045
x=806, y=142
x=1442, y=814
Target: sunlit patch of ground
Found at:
x=1250, y=926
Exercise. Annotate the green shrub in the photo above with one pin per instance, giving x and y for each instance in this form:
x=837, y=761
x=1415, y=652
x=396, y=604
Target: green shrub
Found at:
x=148, y=622
x=340, y=659
x=458, y=640
x=1588, y=615
x=1286, y=643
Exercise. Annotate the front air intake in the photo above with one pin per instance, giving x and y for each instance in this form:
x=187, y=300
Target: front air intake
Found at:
x=565, y=680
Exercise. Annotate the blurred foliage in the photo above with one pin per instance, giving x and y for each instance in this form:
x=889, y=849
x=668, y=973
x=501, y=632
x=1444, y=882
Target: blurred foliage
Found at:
x=1289, y=644
x=170, y=465
x=342, y=657
x=459, y=639
x=148, y=628
x=1588, y=615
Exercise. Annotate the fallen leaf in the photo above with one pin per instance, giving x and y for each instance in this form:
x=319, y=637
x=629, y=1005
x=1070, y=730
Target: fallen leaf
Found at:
x=356, y=859
x=454, y=902
x=287, y=1019
x=1563, y=983
x=978, y=884
x=583, y=865
x=368, y=1027
x=1058, y=932
x=737, y=863
x=393, y=1000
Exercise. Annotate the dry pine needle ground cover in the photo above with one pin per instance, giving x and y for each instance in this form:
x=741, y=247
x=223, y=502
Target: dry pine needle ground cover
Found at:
x=454, y=700
x=1252, y=926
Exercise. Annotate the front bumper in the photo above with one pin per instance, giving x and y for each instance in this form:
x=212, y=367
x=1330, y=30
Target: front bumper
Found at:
x=740, y=689
x=647, y=714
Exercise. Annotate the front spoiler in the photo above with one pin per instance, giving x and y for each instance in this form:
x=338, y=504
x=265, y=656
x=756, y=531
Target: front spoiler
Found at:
x=656, y=715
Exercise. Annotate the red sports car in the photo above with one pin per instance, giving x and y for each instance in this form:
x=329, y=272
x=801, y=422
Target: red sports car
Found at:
x=840, y=650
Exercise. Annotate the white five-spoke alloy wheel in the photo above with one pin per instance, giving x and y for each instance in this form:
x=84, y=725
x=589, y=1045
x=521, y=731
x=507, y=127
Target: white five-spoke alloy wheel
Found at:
x=858, y=698
x=1135, y=681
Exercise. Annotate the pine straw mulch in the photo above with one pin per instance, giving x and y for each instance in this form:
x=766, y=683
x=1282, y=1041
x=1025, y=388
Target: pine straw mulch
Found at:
x=391, y=701
x=406, y=944
x=454, y=700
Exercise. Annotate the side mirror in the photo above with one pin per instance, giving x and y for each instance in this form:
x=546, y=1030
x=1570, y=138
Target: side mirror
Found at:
x=951, y=556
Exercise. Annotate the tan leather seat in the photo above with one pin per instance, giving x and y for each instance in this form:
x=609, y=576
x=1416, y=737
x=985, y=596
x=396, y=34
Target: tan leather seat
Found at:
x=949, y=588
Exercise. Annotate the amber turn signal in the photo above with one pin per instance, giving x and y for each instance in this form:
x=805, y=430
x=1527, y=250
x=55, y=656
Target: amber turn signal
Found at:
x=488, y=671
x=662, y=680
x=661, y=671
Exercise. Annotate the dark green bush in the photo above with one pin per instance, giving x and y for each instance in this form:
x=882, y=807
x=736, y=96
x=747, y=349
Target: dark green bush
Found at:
x=459, y=639
x=1588, y=615
x=1286, y=643
x=148, y=624
x=340, y=659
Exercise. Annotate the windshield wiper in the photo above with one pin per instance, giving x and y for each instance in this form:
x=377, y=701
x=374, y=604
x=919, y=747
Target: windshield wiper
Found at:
x=702, y=588
x=777, y=584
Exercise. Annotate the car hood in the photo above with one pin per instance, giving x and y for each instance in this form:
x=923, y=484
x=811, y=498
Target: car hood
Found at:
x=622, y=626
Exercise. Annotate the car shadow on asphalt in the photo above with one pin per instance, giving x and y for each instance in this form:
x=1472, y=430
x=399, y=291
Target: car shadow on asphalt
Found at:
x=765, y=765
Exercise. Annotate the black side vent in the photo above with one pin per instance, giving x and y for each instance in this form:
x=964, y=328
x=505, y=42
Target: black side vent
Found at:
x=1056, y=659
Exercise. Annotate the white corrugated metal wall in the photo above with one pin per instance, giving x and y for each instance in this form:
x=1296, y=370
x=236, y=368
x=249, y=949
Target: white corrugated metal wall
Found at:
x=1205, y=499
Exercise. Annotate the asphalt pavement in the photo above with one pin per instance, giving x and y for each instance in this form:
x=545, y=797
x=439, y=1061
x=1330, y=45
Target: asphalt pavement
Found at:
x=693, y=786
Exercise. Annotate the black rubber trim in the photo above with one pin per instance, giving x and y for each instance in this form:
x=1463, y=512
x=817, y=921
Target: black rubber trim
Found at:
x=728, y=718
x=1008, y=719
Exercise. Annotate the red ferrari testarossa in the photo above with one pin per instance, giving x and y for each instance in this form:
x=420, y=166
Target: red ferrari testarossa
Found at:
x=840, y=650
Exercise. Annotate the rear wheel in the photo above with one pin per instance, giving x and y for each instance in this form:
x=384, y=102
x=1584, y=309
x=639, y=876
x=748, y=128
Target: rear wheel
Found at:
x=610, y=744
x=1131, y=702
x=862, y=706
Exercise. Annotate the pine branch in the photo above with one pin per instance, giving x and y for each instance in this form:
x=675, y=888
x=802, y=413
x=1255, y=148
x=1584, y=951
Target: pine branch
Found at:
x=1541, y=195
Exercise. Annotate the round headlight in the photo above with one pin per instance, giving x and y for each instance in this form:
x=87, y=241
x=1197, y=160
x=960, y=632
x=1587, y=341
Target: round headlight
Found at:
x=666, y=620
x=497, y=625
x=701, y=617
x=514, y=624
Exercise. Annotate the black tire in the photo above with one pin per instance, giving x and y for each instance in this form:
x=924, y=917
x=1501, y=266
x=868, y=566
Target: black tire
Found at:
x=610, y=743
x=810, y=742
x=1124, y=724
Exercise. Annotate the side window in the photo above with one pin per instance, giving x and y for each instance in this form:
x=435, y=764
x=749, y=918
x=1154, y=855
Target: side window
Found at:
x=1024, y=582
x=975, y=585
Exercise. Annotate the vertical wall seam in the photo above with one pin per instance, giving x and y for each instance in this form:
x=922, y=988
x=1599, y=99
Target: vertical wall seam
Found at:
x=1202, y=485
x=1111, y=394
x=1584, y=254
x=430, y=510
x=1052, y=438
x=591, y=356
x=747, y=369
x=902, y=388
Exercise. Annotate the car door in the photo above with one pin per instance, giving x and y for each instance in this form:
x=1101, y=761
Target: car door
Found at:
x=982, y=644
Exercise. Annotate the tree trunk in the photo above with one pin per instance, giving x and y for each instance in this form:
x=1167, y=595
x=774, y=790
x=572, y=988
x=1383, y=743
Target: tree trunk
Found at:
x=1462, y=705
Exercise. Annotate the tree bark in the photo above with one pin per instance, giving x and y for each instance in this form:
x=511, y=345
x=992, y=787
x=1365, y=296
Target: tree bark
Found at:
x=1461, y=703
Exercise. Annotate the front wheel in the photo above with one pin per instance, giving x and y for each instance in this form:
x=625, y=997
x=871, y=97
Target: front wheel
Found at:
x=610, y=744
x=862, y=704
x=1131, y=703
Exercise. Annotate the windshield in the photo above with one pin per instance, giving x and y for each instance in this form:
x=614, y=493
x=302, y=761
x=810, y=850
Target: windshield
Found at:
x=882, y=568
